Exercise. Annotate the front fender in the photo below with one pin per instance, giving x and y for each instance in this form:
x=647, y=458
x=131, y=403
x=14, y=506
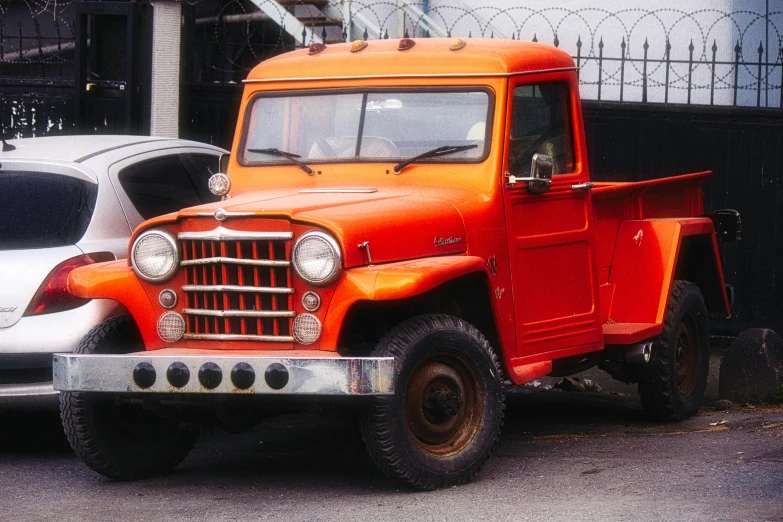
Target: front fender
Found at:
x=116, y=280
x=389, y=282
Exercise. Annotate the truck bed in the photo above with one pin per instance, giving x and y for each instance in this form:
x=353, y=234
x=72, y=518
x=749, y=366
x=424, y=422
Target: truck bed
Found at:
x=622, y=209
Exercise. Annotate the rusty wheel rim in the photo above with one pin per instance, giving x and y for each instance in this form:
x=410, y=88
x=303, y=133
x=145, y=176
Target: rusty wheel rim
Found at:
x=687, y=355
x=443, y=405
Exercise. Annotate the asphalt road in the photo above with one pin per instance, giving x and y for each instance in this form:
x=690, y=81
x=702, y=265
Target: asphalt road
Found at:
x=563, y=456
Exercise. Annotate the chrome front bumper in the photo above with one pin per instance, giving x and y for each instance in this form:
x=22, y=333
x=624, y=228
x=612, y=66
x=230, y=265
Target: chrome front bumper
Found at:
x=217, y=373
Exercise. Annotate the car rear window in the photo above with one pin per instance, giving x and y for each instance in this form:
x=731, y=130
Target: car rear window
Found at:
x=40, y=210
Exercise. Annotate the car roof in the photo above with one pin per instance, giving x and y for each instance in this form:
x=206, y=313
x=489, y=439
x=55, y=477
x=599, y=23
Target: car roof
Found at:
x=78, y=148
x=428, y=57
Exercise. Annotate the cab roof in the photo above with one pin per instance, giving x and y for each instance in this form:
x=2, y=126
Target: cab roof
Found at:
x=428, y=57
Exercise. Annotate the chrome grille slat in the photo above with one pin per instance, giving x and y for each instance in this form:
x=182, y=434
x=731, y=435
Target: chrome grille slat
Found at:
x=238, y=285
x=237, y=288
x=235, y=261
x=238, y=313
x=227, y=234
x=239, y=337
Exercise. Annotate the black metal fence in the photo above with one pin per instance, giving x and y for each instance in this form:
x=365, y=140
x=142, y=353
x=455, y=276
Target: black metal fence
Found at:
x=37, y=47
x=743, y=148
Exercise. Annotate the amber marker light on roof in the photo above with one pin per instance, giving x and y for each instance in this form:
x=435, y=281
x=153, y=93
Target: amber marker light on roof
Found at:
x=457, y=44
x=316, y=48
x=358, y=45
x=405, y=44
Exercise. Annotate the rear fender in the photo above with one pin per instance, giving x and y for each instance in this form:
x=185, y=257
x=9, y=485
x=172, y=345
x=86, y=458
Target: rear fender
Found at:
x=116, y=280
x=650, y=254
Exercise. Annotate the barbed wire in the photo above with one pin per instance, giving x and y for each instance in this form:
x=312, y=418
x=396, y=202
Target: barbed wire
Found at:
x=43, y=36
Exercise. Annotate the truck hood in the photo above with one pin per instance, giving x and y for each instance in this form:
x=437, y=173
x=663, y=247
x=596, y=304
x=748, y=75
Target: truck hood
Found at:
x=397, y=225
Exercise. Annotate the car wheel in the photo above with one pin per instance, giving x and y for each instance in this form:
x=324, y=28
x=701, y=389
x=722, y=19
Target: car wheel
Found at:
x=445, y=417
x=119, y=440
x=672, y=384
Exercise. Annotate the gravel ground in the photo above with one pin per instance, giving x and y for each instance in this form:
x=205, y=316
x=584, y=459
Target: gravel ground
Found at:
x=563, y=456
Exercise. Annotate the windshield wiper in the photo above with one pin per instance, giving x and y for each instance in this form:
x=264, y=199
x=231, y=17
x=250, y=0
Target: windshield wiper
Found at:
x=434, y=153
x=289, y=155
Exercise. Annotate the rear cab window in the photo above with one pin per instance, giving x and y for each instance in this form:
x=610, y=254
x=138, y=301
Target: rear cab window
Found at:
x=43, y=210
x=169, y=183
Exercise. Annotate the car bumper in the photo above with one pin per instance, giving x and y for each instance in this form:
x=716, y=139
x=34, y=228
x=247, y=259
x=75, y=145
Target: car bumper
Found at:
x=217, y=372
x=57, y=332
x=28, y=396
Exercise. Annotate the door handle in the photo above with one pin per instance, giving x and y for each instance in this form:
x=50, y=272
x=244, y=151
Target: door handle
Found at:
x=582, y=187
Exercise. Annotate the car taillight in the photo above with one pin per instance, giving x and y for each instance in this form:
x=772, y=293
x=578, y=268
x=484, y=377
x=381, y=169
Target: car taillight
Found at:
x=52, y=296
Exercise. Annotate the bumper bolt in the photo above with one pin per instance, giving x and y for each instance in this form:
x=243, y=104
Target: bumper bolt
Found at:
x=178, y=374
x=144, y=375
x=276, y=376
x=243, y=376
x=210, y=375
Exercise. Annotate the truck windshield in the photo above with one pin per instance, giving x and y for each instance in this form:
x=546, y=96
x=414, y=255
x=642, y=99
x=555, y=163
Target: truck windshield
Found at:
x=367, y=126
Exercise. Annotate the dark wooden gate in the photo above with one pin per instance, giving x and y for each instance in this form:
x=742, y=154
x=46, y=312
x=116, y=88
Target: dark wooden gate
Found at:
x=744, y=149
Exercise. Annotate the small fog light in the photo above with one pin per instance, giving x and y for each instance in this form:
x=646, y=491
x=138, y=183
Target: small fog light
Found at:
x=167, y=298
x=311, y=301
x=307, y=329
x=171, y=327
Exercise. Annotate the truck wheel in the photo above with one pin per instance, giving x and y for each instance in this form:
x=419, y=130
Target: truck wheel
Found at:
x=673, y=382
x=120, y=441
x=444, y=419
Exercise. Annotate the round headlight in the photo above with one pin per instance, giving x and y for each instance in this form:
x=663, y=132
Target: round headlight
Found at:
x=317, y=258
x=154, y=256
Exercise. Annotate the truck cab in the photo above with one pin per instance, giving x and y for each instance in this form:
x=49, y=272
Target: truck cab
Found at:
x=410, y=225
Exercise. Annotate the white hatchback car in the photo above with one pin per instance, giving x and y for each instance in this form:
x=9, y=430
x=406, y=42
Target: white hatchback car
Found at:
x=66, y=202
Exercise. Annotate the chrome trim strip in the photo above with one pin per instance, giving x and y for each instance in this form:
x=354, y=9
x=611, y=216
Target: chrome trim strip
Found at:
x=226, y=213
x=34, y=389
x=220, y=234
x=319, y=375
x=235, y=261
x=237, y=288
x=339, y=191
x=239, y=337
x=372, y=76
x=237, y=313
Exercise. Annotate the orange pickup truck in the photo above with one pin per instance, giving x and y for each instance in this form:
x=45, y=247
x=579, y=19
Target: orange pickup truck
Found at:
x=409, y=223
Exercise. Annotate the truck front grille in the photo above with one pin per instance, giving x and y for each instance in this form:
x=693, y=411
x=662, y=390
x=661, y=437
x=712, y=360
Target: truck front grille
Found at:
x=237, y=285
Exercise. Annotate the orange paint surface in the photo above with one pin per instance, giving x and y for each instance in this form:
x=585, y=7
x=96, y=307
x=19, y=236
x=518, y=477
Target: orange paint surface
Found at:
x=566, y=271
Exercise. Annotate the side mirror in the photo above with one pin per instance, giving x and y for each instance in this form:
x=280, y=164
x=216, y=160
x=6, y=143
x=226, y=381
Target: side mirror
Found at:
x=540, y=179
x=223, y=162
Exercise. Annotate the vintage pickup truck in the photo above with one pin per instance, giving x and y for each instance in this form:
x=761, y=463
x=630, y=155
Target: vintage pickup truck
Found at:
x=410, y=224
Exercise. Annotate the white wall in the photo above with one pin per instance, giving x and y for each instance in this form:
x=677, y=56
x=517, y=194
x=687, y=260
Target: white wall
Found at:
x=705, y=22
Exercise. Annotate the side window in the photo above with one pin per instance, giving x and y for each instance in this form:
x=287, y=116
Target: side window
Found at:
x=162, y=185
x=541, y=123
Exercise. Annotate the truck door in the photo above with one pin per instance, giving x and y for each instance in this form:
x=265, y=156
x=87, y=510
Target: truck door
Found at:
x=551, y=240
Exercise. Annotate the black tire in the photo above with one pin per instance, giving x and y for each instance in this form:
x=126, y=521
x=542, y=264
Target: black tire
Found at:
x=446, y=439
x=672, y=384
x=120, y=441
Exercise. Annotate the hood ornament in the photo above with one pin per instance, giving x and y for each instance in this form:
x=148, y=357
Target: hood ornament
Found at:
x=219, y=184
